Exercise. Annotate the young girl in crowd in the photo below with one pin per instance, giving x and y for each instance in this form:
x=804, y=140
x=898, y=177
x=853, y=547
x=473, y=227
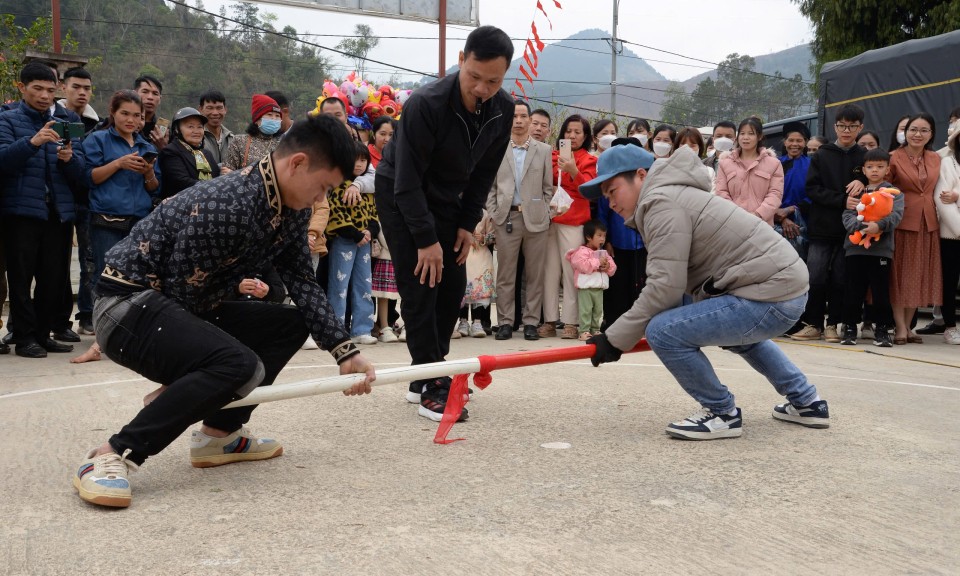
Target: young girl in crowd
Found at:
x=480, y=283
x=947, y=197
x=262, y=135
x=350, y=231
x=592, y=268
x=639, y=129
x=661, y=144
x=751, y=176
x=604, y=132
x=380, y=133
x=868, y=140
x=384, y=281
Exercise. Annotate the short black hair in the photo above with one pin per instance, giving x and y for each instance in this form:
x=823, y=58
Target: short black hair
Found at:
x=77, y=72
x=324, y=140
x=362, y=151
x=212, y=96
x=335, y=99
x=724, y=124
x=37, y=72
x=520, y=102
x=279, y=98
x=542, y=112
x=849, y=113
x=147, y=78
x=876, y=155
x=487, y=43
x=591, y=227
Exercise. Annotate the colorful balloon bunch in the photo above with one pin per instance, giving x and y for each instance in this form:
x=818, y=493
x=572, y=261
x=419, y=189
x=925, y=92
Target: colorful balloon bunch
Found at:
x=364, y=102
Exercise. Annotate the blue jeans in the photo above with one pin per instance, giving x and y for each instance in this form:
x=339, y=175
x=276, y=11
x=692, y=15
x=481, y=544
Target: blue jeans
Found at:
x=101, y=241
x=351, y=272
x=741, y=326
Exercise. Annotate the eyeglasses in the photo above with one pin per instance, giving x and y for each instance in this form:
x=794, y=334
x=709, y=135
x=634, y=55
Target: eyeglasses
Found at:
x=847, y=127
x=923, y=131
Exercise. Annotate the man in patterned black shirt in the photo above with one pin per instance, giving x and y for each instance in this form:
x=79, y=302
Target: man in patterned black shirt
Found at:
x=164, y=307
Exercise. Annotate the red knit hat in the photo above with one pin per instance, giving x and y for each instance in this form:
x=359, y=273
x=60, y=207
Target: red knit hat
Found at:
x=262, y=105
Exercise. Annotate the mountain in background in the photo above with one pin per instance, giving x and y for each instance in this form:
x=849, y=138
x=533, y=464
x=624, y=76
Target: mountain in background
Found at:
x=582, y=61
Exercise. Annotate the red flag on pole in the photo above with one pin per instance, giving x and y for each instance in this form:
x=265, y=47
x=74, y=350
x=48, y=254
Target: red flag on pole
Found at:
x=536, y=36
x=520, y=86
x=526, y=74
x=533, y=69
x=533, y=52
x=557, y=4
x=540, y=7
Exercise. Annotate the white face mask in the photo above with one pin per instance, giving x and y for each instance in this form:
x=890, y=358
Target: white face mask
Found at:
x=723, y=144
x=901, y=137
x=711, y=152
x=606, y=140
x=643, y=138
x=662, y=149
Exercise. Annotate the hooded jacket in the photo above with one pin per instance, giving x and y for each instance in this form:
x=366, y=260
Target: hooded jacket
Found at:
x=440, y=165
x=756, y=185
x=831, y=169
x=703, y=245
x=34, y=183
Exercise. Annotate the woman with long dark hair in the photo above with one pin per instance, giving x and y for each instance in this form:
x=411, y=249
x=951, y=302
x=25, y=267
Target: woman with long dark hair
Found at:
x=751, y=176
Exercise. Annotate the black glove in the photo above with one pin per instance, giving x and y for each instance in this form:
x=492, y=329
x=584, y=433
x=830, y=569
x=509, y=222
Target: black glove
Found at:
x=605, y=352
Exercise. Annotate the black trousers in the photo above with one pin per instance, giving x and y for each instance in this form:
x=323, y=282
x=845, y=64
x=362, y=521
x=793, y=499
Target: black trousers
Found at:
x=429, y=314
x=871, y=272
x=950, y=265
x=826, y=263
x=626, y=284
x=206, y=361
x=37, y=251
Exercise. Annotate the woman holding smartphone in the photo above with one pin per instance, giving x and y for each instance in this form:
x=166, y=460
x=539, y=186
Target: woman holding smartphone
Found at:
x=123, y=176
x=575, y=165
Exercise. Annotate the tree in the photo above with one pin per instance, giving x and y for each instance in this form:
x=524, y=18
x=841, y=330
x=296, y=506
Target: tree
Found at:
x=678, y=106
x=359, y=47
x=845, y=28
x=15, y=41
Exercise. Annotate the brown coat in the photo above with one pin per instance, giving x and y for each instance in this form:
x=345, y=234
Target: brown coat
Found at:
x=918, y=200
x=318, y=223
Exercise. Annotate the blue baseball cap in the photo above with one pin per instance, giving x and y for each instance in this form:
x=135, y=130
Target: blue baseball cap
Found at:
x=616, y=160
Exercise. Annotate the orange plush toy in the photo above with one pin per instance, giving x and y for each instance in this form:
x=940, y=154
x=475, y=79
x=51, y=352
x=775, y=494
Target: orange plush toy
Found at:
x=873, y=206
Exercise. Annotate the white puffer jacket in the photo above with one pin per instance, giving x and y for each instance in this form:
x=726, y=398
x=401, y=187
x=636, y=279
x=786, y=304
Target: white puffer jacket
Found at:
x=949, y=214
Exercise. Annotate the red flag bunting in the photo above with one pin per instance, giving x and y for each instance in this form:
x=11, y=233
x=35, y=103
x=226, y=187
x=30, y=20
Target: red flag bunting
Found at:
x=533, y=52
x=520, y=86
x=526, y=74
x=557, y=4
x=540, y=7
x=533, y=69
x=536, y=36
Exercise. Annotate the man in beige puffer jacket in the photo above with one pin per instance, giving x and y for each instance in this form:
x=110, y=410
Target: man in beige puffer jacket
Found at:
x=716, y=276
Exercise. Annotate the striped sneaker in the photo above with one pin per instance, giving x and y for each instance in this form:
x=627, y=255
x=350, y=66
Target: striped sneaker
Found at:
x=241, y=446
x=103, y=480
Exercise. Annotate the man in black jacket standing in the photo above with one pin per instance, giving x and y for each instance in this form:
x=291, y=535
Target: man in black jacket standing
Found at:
x=430, y=190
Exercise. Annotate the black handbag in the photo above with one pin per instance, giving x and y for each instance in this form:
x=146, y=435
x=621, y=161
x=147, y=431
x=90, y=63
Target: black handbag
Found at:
x=119, y=223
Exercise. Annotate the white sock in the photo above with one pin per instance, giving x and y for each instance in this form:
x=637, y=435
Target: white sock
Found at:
x=732, y=412
x=198, y=439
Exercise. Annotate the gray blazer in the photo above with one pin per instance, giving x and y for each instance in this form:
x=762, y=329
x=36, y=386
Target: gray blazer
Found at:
x=536, y=187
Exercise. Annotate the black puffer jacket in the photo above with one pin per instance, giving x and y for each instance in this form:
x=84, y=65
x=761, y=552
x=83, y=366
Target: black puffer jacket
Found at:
x=831, y=169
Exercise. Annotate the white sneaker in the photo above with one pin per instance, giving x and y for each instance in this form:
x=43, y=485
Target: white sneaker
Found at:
x=309, y=344
x=464, y=328
x=951, y=335
x=364, y=339
x=387, y=336
x=476, y=330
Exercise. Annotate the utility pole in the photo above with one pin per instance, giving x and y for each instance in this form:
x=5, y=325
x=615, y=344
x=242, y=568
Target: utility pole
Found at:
x=613, y=61
x=443, y=38
x=55, y=9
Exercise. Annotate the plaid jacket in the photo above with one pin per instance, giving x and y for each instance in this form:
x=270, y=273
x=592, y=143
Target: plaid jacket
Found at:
x=197, y=246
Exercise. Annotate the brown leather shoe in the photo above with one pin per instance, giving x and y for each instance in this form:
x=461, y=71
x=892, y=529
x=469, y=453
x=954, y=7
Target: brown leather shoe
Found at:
x=570, y=332
x=547, y=330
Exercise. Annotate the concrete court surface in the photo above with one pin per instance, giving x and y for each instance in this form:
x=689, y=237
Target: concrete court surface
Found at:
x=361, y=489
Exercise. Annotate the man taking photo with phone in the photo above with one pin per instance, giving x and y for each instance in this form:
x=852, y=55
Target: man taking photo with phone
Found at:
x=37, y=207
x=431, y=187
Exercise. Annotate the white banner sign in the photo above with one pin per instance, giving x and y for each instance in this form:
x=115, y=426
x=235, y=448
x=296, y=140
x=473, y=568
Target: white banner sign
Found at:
x=461, y=12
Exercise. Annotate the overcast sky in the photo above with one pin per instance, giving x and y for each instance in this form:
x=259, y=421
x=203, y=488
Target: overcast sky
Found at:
x=704, y=29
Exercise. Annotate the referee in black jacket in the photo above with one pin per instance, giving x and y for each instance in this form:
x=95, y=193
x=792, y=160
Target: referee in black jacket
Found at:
x=431, y=187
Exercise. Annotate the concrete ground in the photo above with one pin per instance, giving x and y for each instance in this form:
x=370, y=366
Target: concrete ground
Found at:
x=361, y=489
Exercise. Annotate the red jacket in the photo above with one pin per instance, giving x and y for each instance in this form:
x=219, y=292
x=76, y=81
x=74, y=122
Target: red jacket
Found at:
x=579, y=212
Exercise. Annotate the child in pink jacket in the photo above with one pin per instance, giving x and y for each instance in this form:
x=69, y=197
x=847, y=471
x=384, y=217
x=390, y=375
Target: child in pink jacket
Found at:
x=592, y=269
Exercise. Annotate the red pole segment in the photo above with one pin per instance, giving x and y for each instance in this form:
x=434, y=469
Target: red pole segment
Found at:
x=55, y=8
x=443, y=38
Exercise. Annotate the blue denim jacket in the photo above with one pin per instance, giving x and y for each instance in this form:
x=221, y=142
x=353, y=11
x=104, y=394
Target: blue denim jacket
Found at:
x=124, y=193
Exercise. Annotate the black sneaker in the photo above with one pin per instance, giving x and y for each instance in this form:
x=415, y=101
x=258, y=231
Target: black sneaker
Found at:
x=705, y=425
x=433, y=400
x=932, y=328
x=849, y=337
x=416, y=388
x=816, y=415
x=881, y=338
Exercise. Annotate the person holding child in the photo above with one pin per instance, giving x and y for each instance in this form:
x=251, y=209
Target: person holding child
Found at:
x=350, y=231
x=868, y=266
x=592, y=269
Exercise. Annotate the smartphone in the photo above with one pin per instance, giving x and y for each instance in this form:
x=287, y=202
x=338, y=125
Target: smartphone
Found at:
x=69, y=130
x=149, y=156
x=565, y=151
x=162, y=125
